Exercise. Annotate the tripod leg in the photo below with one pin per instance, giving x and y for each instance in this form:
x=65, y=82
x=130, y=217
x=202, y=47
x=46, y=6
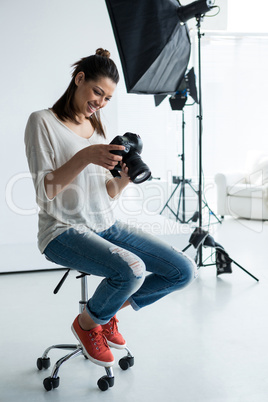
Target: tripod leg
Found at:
x=210, y=210
x=206, y=205
x=186, y=248
x=166, y=204
x=254, y=277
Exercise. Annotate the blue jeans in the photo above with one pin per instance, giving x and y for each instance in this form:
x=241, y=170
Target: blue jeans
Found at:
x=122, y=255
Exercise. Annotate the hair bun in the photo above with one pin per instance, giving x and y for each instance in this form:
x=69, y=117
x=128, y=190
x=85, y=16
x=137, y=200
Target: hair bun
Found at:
x=103, y=53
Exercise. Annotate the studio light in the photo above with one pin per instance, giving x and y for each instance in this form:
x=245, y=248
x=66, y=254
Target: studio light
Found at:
x=179, y=98
x=192, y=10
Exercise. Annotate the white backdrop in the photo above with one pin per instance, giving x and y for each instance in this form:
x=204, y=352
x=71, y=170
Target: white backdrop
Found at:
x=42, y=38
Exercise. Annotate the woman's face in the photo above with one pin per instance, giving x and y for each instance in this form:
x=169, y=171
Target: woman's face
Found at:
x=91, y=96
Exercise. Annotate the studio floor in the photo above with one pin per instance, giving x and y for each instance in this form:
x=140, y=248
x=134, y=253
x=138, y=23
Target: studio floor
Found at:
x=207, y=343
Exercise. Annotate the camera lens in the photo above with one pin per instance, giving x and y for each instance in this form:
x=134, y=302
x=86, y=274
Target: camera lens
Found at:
x=142, y=177
x=138, y=171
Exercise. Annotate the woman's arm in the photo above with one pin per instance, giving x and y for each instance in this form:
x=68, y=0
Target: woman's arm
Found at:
x=98, y=154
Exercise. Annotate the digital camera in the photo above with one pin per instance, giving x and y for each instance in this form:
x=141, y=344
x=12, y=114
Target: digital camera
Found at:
x=138, y=171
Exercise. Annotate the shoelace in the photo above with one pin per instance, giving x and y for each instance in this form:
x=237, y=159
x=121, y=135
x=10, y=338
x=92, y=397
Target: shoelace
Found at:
x=113, y=328
x=99, y=339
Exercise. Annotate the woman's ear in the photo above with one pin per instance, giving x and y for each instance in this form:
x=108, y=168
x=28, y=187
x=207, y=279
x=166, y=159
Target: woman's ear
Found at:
x=79, y=78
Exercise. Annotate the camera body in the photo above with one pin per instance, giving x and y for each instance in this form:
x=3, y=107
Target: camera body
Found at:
x=138, y=171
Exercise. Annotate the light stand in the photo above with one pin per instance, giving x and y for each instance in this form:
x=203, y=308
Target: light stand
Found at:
x=178, y=102
x=200, y=128
x=199, y=237
x=181, y=182
x=184, y=181
x=200, y=133
x=197, y=9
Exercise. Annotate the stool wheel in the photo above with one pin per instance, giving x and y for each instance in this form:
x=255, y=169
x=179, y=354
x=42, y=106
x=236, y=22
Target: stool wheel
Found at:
x=51, y=383
x=105, y=382
x=43, y=363
x=126, y=362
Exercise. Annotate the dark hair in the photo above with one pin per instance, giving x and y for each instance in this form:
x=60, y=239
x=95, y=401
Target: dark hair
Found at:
x=94, y=67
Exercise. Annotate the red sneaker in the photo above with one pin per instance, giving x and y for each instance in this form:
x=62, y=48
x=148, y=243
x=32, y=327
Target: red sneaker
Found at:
x=94, y=344
x=114, y=338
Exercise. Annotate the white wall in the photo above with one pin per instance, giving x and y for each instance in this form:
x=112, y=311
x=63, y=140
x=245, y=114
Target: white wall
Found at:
x=40, y=39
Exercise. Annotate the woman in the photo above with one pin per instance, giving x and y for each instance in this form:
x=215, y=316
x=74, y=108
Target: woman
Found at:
x=70, y=162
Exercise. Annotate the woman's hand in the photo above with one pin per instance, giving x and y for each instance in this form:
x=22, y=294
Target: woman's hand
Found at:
x=117, y=184
x=100, y=154
x=124, y=172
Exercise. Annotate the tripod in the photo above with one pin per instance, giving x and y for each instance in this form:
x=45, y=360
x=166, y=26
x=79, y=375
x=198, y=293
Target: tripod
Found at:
x=181, y=182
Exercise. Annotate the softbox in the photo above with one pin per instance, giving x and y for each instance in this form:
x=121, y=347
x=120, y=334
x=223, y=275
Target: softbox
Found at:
x=153, y=46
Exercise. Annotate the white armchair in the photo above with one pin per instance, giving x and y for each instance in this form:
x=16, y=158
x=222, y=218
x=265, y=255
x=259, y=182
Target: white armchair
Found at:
x=244, y=194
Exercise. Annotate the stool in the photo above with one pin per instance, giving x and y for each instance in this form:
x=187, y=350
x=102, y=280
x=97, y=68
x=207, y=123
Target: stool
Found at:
x=43, y=362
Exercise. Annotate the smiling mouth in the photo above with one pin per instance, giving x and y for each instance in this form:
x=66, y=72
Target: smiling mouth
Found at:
x=92, y=108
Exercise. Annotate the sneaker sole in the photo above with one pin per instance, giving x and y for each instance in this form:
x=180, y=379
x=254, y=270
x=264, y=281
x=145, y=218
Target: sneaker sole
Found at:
x=115, y=345
x=98, y=362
